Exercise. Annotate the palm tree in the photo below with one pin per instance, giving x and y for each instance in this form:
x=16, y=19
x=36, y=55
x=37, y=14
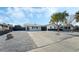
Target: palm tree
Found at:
x=58, y=17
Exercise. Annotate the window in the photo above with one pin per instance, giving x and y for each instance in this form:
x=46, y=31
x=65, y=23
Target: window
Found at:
x=36, y=27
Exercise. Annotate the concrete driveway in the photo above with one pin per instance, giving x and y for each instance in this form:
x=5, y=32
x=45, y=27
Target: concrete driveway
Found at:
x=49, y=41
x=21, y=42
x=40, y=41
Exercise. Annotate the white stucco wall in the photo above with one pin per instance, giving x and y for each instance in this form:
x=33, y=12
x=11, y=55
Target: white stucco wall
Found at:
x=50, y=26
x=25, y=27
x=34, y=29
x=5, y=28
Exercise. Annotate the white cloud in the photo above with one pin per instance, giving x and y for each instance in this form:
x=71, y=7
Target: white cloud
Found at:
x=1, y=19
x=17, y=15
x=44, y=11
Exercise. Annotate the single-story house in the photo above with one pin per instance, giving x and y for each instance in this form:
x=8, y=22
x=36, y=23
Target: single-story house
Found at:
x=32, y=27
x=51, y=26
x=54, y=27
x=68, y=27
x=4, y=27
x=35, y=27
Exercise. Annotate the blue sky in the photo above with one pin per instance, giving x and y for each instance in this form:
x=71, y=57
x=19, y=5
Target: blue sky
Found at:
x=34, y=15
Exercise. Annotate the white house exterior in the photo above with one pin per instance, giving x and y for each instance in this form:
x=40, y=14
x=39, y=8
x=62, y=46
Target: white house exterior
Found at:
x=32, y=27
x=51, y=26
x=4, y=27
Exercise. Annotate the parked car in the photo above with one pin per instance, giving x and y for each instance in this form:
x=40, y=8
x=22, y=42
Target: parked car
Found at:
x=18, y=28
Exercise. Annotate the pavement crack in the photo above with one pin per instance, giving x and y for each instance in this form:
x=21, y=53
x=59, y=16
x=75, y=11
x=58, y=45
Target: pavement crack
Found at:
x=66, y=38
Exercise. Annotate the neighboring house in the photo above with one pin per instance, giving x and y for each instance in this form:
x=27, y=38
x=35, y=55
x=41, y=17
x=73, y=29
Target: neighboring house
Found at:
x=61, y=27
x=76, y=27
x=50, y=26
x=68, y=27
x=32, y=27
x=5, y=27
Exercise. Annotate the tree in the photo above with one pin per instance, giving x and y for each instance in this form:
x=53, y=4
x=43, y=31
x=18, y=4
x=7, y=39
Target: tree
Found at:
x=58, y=17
